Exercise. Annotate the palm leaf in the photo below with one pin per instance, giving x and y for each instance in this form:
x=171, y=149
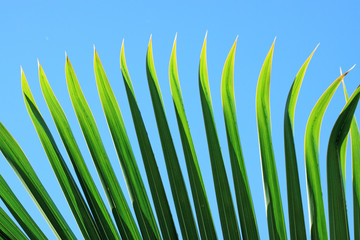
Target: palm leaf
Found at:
x=312, y=135
x=202, y=208
x=129, y=167
x=21, y=165
x=19, y=212
x=116, y=199
x=243, y=196
x=178, y=188
x=338, y=220
x=72, y=193
x=102, y=218
x=162, y=208
x=223, y=195
x=274, y=211
x=344, y=144
x=296, y=214
x=355, y=143
x=8, y=229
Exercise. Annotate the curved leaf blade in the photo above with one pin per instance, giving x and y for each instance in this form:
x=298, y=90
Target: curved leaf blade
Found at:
x=19, y=212
x=23, y=169
x=296, y=214
x=178, y=188
x=225, y=203
x=338, y=220
x=245, y=206
x=140, y=201
x=355, y=155
x=312, y=135
x=116, y=199
x=274, y=211
x=71, y=192
x=162, y=208
x=8, y=229
x=202, y=208
x=107, y=229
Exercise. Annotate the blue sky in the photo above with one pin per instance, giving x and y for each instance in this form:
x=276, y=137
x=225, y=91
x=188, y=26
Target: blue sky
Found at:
x=41, y=30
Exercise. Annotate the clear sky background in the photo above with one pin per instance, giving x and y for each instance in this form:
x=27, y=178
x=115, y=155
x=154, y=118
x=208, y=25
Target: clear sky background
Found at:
x=38, y=29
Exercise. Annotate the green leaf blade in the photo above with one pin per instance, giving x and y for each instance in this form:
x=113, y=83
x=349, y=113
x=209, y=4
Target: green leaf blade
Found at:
x=129, y=166
x=225, y=203
x=19, y=212
x=296, y=214
x=202, y=208
x=162, y=208
x=178, y=188
x=8, y=229
x=312, y=135
x=355, y=155
x=338, y=220
x=107, y=229
x=242, y=190
x=116, y=199
x=23, y=169
x=275, y=215
x=71, y=192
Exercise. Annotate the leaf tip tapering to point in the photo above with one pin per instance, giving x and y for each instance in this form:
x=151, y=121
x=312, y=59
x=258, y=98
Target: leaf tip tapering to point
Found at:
x=349, y=70
x=203, y=50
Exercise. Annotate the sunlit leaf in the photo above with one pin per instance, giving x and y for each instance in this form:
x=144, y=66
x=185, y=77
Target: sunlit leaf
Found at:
x=140, y=201
x=274, y=210
x=296, y=214
x=102, y=218
x=178, y=188
x=72, y=193
x=312, y=136
x=243, y=196
x=338, y=221
x=202, y=208
x=116, y=199
x=162, y=208
x=225, y=203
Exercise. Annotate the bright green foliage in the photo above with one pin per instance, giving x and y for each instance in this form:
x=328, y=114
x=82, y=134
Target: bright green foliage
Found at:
x=338, y=221
x=223, y=196
x=296, y=214
x=202, y=208
x=274, y=211
x=119, y=207
x=91, y=213
x=181, y=199
x=8, y=229
x=243, y=196
x=312, y=135
x=26, y=174
x=71, y=191
x=102, y=218
x=19, y=212
x=355, y=155
x=162, y=208
x=129, y=167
